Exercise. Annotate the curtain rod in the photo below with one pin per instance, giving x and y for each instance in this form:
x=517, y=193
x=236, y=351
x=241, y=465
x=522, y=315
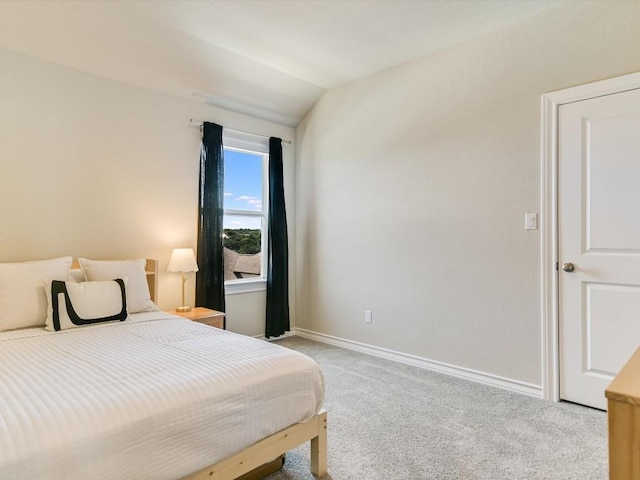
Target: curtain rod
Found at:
x=199, y=123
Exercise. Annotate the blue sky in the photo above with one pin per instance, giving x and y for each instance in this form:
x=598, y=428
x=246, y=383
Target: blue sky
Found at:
x=242, y=187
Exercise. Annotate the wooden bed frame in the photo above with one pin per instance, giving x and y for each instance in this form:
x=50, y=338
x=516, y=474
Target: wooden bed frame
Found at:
x=271, y=447
x=268, y=449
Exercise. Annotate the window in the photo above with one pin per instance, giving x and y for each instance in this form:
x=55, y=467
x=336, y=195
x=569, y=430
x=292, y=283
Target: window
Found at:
x=245, y=217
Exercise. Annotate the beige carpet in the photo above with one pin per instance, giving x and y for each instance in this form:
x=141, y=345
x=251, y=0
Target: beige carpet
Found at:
x=392, y=421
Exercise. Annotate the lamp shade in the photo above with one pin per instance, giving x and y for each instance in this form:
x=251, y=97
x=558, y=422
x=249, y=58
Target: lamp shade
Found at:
x=182, y=260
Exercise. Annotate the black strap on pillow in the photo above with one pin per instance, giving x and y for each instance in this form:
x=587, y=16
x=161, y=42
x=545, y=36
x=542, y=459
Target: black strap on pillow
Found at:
x=58, y=287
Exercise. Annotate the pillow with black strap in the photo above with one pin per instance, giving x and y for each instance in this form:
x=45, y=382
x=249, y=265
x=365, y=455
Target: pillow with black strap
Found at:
x=72, y=304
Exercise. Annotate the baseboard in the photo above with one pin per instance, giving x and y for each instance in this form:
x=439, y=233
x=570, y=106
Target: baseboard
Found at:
x=290, y=333
x=440, y=367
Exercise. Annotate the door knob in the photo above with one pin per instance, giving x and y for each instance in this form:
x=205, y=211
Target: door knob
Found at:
x=568, y=267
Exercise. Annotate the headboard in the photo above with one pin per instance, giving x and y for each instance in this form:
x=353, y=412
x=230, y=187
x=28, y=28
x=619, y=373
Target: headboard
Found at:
x=151, y=269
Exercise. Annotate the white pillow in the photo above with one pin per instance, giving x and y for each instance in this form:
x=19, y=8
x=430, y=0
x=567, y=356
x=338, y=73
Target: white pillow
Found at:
x=72, y=304
x=23, y=302
x=138, y=297
x=75, y=275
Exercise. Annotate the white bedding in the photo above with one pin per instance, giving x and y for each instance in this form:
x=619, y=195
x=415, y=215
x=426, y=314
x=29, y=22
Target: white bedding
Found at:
x=154, y=397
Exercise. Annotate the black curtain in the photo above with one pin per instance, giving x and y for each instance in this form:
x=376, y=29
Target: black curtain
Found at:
x=277, y=248
x=210, y=276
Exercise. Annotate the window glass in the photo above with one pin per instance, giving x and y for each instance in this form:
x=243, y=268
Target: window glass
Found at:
x=243, y=248
x=244, y=217
x=242, y=180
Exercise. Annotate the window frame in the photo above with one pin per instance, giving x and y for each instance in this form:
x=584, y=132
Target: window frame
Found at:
x=245, y=144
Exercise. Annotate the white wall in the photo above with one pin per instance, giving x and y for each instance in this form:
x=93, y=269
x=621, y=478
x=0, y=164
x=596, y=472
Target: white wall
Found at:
x=97, y=168
x=412, y=186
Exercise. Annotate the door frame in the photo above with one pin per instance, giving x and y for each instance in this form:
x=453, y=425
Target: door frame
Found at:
x=550, y=104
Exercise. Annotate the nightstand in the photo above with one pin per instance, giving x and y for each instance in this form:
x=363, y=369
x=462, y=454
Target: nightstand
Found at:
x=203, y=315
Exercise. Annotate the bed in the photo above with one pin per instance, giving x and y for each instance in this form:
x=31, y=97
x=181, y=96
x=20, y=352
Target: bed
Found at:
x=153, y=396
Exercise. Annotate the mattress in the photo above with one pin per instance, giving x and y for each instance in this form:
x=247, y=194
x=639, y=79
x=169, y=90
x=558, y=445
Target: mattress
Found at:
x=155, y=397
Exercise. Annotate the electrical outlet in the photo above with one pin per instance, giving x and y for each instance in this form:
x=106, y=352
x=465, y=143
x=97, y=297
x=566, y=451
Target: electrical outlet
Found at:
x=367, y=316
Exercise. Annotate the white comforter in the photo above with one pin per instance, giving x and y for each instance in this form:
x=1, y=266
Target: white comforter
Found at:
x=155, y=397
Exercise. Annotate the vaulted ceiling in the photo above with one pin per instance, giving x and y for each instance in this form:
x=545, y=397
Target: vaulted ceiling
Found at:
x=272, y=59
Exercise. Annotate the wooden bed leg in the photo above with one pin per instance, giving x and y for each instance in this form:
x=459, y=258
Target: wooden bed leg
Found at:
x=319, y=448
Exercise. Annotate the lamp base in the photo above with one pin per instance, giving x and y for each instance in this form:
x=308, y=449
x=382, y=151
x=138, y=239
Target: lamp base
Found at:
x=183, y=309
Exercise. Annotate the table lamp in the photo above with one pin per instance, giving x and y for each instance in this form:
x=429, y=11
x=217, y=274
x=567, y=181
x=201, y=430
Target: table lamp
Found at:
x=182, y=260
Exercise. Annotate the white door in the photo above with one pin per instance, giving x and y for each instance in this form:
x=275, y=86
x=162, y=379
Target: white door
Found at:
x=599, y=234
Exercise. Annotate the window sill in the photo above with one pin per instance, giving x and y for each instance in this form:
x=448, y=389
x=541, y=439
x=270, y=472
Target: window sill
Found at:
x=245, y=286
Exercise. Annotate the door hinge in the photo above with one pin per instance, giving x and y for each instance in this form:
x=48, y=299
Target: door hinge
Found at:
x=556, y=266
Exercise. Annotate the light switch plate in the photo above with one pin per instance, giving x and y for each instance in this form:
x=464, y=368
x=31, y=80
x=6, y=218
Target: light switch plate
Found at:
x=531, y=221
